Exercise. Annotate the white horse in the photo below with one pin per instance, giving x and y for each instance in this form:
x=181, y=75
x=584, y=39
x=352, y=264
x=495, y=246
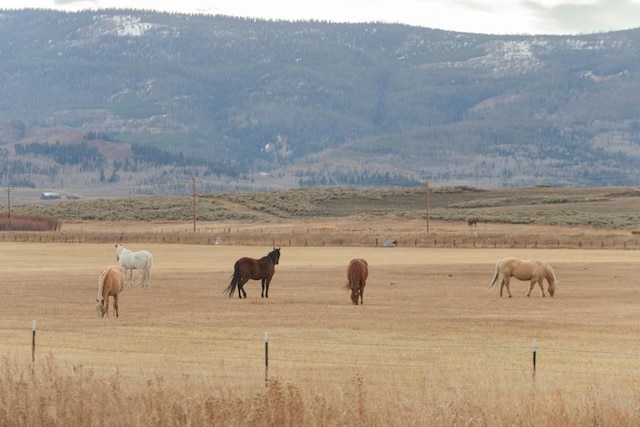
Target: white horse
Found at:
x=129, y=261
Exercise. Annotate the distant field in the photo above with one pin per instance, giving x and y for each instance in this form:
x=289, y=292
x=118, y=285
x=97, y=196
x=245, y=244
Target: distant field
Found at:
x=430, y=334
x=612, y=208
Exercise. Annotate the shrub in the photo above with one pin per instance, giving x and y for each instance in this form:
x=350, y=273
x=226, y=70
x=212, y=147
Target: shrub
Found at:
x=29, y=223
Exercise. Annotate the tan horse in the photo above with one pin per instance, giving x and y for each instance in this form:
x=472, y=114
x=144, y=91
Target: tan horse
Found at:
x=110, y=284
x=357, y=274
x=533, y=269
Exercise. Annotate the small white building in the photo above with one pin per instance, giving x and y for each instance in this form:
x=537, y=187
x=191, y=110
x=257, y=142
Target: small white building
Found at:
x=49, y=195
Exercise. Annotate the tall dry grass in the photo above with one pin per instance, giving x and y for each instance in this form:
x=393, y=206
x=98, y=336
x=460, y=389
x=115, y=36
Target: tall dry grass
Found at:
x=49, y=394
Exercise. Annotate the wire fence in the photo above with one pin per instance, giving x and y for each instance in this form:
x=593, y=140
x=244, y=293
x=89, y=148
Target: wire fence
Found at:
x=283, y=355
x=295, y=238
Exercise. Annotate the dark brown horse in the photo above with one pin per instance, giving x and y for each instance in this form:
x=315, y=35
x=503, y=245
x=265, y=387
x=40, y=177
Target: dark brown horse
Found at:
x=110, y=284
x=357, y=274
x=472, y=222
x=246, y=269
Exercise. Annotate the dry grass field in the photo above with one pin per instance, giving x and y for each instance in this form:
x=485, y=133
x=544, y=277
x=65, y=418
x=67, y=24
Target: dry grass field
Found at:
x=432, y=344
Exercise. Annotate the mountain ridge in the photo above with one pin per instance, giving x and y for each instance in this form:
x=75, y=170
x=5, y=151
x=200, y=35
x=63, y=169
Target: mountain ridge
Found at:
x=246, y=104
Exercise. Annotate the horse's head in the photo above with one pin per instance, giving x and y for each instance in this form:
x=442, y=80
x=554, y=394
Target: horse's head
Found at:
x=552, y=288
x=275, y=255
x=100, y=308
x=551, y=279
x=355, y=294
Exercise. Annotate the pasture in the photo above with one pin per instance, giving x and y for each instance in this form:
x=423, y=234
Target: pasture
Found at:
x=432, y=344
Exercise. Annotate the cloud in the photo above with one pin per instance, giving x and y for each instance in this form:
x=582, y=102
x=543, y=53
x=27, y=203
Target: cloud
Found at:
x=71, y=2
x=586, y=17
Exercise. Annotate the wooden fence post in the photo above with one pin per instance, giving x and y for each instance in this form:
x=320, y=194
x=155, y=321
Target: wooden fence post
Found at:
x=266, y=359
x=33, y=344
x=533, y=347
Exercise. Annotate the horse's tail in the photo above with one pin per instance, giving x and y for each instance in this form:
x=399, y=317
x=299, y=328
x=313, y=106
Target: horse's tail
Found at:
x=235, y=280
x=495, y=274
x=146, y=274
x=101, y=277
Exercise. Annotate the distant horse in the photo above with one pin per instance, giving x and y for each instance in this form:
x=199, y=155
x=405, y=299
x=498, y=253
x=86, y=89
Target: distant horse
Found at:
x=110, y=284
x=472, y=222
x=129, y=261
x=534, y=270
x=357, y=274
x=246, y=269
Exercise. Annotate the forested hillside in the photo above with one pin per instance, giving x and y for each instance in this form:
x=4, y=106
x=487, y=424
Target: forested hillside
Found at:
x=142, y=103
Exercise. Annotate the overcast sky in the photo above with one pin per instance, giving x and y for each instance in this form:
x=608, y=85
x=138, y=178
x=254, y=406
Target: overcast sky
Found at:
x=478, y=16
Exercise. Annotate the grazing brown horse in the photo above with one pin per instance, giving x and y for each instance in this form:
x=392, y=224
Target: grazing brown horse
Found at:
x=532, y=269
x=472, y=222
x=110, y=284
x=246, y=269
x=357, y=274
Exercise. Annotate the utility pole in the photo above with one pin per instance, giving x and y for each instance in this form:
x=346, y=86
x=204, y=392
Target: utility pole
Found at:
x=195, y=194
x=427, y=206
x=9, y=205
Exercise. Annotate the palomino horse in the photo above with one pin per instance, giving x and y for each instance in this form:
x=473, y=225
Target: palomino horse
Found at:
x=534, y=270
x=110, y=284
x=246, y=269
x=129, y=261
x=357, y=274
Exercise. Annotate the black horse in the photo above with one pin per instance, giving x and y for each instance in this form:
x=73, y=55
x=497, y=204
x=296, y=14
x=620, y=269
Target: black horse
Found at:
x=246, y=269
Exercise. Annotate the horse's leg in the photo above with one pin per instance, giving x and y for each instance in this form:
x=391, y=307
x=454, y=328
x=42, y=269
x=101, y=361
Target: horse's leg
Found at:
x=541, y=283
x=265, y=287
x=146, y=275
x=241, y=287
x=141, y=279
x=263, y=283
x=506, y=280
x=362, y=294
x=531, y=285
x=115, y=304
